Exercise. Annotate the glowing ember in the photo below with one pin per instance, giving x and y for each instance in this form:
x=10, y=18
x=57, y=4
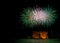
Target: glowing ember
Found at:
x=42, y=35
x=35, y=35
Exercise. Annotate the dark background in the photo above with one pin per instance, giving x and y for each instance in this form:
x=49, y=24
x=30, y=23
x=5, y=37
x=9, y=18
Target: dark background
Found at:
x=22, y=32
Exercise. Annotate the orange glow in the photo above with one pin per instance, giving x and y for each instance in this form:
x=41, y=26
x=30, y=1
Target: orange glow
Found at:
x=35, y=35
x=41, y=34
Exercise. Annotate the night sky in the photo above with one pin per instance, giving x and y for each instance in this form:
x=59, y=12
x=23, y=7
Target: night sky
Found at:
x=23, y=32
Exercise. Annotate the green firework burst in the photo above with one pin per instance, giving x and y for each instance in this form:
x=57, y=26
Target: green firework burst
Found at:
x=52, y=16
x=25, y=18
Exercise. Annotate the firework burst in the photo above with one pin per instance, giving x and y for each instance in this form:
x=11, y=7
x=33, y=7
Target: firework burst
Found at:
x=44, y=17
